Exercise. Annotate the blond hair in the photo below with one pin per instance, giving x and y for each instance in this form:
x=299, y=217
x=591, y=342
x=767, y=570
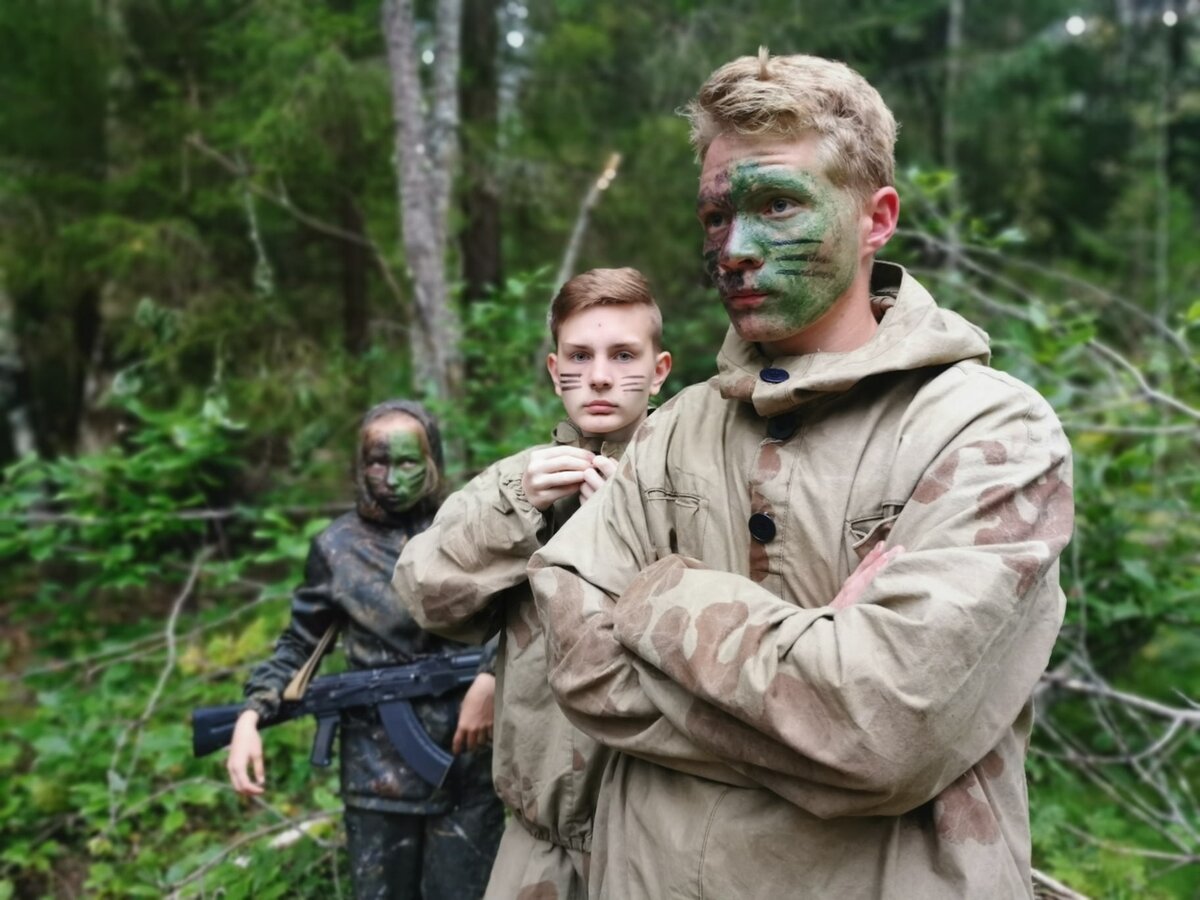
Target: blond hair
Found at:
x=605, y=287
x=789, y=96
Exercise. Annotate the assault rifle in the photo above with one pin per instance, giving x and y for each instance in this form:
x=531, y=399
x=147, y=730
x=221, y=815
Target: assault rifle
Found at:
x=391, y=690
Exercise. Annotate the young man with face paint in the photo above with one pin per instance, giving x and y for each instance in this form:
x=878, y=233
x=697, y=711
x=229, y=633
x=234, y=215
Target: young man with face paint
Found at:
x=800, y=708
x=465, y=576
x=405, y=839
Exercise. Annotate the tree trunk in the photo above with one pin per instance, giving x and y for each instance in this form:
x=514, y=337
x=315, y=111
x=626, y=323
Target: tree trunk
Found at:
x=425, y=155
x=480, y=193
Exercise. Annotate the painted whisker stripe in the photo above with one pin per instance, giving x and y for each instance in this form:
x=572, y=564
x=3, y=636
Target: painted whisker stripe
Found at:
x=794, y=242
x=809, y=273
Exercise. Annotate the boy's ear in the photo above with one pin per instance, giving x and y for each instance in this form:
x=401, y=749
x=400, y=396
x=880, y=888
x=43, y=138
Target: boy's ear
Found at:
x=662, y=368
x=552, y=368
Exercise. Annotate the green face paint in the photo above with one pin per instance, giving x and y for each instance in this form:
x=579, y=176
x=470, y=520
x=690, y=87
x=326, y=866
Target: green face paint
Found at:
x=780, y=242
x=395, y=467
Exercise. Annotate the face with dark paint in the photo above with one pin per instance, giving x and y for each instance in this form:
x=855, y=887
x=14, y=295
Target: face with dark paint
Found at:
x=394, y=464
x=782, y=243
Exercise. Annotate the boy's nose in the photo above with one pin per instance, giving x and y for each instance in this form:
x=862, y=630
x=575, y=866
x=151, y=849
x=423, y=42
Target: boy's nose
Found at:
x=600, y=375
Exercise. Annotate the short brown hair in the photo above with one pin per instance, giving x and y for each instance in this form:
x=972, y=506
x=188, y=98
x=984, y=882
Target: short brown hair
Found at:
x=797, y=95
x=604, y=287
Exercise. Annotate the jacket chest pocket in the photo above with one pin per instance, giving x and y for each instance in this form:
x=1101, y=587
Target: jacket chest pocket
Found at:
x=865, y=531
x=677, y=521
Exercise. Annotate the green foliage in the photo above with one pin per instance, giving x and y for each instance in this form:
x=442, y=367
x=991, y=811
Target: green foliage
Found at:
x=103, y=796
x=178, y=309
x=509, y=401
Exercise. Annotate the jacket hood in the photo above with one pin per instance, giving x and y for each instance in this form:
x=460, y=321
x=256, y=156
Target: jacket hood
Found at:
x=914, y=333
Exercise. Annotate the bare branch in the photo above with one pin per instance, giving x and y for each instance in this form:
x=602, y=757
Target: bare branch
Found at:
x=281, y=200
x=117, y=783
x=1150, y=392
x=1052, y=889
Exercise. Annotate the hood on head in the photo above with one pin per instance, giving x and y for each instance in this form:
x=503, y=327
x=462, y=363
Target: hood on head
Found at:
x=364, y=502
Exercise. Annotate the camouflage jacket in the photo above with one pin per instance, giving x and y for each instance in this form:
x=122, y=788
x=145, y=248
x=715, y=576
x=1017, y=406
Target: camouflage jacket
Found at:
x=347, y=580
x=775, y=744
x=464, y=577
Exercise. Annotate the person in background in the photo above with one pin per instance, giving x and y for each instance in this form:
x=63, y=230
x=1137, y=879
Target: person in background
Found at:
x=405, y=838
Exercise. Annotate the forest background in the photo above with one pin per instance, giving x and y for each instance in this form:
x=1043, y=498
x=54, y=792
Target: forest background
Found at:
x=229, y=226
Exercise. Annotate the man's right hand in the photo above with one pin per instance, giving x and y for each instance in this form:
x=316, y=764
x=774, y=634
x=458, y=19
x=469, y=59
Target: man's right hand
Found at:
x=245, y=754
x=554, y=473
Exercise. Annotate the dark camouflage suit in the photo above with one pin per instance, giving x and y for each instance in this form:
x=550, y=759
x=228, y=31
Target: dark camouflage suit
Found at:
x=405, y=838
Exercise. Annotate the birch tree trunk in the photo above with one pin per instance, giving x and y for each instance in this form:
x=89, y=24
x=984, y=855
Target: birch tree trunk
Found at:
x=426, y=151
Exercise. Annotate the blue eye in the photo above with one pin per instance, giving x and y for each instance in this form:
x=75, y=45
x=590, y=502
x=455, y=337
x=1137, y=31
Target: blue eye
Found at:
x=781, y=205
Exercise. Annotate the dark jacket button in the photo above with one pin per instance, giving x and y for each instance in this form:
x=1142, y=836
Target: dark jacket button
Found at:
x=762, y=528
x=774, y=376
x=782, y=427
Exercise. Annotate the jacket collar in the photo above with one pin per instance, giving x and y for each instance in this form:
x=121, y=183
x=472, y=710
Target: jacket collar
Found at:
x=568, y=433
x=914, y=333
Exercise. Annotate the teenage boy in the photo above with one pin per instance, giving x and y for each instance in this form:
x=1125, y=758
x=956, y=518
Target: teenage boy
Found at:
x=465, y=578
x=800, y=712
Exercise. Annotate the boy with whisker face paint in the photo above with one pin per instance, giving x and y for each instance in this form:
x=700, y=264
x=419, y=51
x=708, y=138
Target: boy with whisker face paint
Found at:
x=464, y=577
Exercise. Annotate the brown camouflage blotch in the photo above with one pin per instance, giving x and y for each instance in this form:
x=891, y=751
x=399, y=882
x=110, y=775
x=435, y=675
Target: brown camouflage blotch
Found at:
x=1053, y=520
x=586, y=674
x=961, y=816
x=714, y=624
x=994, y=452
x=657, y=578
x=760, y=562
x=1028, y=568
x=631, y=619
x=543, y=890
x=704, y=670
x=578, y=763
x=444, y=605
x=517, y=793
x=667, y=640
x=936, y=483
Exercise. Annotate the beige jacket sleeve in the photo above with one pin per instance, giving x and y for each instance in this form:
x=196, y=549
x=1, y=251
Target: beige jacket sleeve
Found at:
x=868, y=710
x=454, y=574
